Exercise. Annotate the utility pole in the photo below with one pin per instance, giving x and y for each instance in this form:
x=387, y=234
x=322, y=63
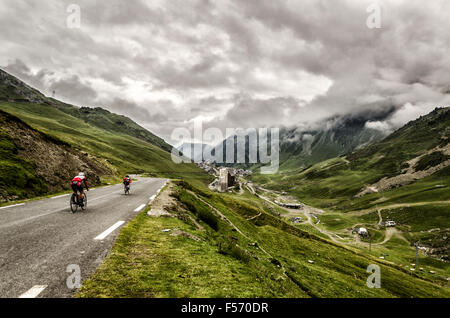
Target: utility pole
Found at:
x=417, y=255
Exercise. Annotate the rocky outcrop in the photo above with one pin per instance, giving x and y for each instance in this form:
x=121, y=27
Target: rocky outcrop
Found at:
x=409, y=174
x=54, y=161
x=14, y=90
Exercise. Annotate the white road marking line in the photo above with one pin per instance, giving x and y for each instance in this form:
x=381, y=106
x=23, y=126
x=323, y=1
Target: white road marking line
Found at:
x=33, y=292
x=60, y=196
x=109, y=231
x=139, y=208
x=11, y=206
x=159, y=190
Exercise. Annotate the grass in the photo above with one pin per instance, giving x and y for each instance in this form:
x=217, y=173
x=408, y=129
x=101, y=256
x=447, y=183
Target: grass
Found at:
x=271, y=258
x=431, y=160
x=17, y=175
x=146, y=262
x=333, y=184
x=199, y=209
x=126, y=153
x=336, y=222
x=421, y=218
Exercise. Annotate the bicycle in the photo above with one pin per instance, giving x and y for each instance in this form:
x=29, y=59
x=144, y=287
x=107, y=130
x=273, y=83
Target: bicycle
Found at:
x=75, y=202
x=126, y=189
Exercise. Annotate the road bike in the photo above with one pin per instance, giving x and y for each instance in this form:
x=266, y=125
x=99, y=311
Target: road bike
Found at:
x=76, y=202
x=126, y=189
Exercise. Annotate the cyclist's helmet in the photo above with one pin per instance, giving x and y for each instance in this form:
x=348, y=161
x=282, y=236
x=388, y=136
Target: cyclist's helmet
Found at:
x=127, y=176
x=81, y=174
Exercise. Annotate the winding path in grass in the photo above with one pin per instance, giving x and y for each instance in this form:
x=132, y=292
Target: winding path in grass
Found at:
x=308, y=211
x=394, y=206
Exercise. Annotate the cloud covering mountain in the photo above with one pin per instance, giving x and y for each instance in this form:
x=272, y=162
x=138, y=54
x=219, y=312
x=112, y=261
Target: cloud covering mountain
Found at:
x=234, y=63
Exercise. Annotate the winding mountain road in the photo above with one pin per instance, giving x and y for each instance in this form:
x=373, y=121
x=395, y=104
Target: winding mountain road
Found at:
x=42, y=244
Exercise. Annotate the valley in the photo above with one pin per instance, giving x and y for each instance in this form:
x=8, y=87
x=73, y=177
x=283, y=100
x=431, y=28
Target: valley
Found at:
x=339, y=228
x=189, y=240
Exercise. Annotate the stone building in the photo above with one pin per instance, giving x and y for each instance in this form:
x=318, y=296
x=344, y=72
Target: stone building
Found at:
x=226, y=179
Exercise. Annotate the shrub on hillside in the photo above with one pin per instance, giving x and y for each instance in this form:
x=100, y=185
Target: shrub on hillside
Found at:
x=228, y=246
x=431, y=160
x=197, y=208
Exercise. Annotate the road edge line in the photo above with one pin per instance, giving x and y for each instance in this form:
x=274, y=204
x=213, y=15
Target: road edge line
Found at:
x=34, y=291
x=109, y=230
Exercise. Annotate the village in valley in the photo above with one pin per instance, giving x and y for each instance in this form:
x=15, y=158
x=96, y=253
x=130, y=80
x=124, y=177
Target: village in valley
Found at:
x=229, y=180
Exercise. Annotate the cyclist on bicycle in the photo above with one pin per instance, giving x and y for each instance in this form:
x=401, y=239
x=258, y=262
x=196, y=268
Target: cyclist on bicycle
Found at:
x=127, y=181
x=77, y=185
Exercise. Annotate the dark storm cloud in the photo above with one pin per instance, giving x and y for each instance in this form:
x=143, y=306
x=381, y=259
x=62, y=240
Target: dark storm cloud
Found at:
x=273, y=112
x=234, y=63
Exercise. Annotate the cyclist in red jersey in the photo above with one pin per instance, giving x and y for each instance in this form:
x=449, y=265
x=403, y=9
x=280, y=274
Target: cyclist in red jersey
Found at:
x=77, y=185
x=127, y=180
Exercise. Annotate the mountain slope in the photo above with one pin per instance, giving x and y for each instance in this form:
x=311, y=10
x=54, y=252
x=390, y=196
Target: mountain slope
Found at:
x=194, y=151
x=33, y=163
x=14, y=90
x=300, y=148
x=115, y=141
x=404, y=177
x=333, y=183
x=305, y=148
x=232, y=245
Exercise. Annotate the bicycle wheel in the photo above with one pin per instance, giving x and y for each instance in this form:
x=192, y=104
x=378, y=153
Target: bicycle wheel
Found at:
x=73, y=203
x=84, y=206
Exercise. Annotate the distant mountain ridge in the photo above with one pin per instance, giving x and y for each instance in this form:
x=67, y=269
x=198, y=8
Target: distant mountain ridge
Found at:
x=13, y=89
x=43, y=139
x=194, y=151
x=300, y=148
x=418, y=150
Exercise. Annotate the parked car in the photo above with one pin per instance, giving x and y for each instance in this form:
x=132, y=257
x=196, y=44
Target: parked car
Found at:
x=390, y=223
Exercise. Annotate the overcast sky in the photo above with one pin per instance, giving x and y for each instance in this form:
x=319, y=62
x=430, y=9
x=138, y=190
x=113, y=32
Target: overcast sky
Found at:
x=249, y=63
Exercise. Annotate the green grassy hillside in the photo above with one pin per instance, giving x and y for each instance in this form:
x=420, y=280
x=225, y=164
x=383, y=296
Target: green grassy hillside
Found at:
x=127, y=153
x=248, y=252
x=14, y=90
x=420, y=205
x=17, y=174
x=333, y=184
x=104, y=119
x=113, y=140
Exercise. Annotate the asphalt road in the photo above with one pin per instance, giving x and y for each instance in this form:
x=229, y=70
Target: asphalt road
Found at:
x=39, y=240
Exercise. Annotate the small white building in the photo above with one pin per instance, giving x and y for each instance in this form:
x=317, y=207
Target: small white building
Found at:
x=390, y=223
x=363, y=231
